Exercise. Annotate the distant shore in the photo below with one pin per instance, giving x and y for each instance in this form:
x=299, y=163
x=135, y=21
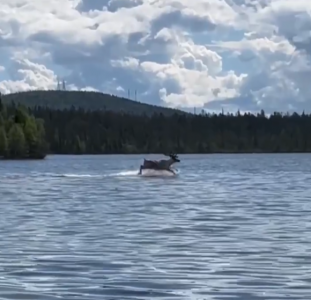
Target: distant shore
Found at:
x=154, y=153
x=2, y=158
x=179, y=153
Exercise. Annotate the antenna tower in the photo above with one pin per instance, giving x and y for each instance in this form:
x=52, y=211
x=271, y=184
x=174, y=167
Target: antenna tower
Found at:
x=64, y=85
x=58, y=84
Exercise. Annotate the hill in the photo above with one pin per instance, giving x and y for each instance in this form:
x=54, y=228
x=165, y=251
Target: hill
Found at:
x=86, y=100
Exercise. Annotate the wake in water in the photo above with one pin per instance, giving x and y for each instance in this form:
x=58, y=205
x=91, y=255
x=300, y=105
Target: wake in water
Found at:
x=158, y=173
x=129, y=173
x=119, y=174
x=145, y=173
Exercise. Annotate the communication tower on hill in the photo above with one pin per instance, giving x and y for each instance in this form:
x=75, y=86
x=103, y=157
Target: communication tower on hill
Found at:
x=61, y=86
x=58, y=84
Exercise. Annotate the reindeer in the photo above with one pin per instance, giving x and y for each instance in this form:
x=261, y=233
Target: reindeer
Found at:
x=164, y=164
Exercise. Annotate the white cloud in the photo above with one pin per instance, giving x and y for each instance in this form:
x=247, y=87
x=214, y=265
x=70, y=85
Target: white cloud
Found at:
x=27, y=76
x=242, y=54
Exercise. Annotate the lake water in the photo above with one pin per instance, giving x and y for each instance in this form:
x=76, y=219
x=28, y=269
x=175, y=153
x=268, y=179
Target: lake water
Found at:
x=87, y=227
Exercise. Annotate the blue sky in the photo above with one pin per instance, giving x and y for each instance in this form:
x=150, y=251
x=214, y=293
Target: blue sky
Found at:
x=212, y=54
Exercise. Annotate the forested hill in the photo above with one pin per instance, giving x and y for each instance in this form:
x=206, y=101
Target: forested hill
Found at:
x=86, y=100
x=84, y=131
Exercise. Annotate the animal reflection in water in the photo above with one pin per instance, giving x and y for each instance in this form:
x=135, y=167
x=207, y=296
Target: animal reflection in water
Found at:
x=160, y=165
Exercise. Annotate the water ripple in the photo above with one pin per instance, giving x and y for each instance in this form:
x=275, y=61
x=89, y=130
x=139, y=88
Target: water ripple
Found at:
x=227, y=227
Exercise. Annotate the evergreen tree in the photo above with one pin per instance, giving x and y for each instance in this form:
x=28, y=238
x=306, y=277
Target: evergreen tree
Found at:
x=21, y=134
x=3, y=142
x=1, y=120
x=31, y=136
x=17, y=142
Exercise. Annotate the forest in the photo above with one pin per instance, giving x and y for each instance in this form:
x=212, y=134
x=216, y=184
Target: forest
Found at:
x=76, y=131
x=83, y=131
x=22, y=136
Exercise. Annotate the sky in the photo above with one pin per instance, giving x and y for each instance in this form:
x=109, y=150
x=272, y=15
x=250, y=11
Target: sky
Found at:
x=234, y=55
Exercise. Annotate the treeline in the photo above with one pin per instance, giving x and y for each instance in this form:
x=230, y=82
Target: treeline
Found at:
x=22, y=136
x=33, y=132
x=77, y=131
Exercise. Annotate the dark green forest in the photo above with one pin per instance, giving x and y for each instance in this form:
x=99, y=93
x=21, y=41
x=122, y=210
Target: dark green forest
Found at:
x=22, y=136
x=78, y=131
x=81, y=131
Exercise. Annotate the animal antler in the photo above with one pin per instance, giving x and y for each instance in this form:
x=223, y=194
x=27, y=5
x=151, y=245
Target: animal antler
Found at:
x=173, y=155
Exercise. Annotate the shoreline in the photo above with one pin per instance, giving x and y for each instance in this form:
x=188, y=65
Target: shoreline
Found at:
x=139, y=154
x=20, y=158
x=179, y=153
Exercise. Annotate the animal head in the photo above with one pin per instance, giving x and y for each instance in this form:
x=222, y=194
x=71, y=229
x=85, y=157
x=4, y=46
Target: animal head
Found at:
x=174, y=157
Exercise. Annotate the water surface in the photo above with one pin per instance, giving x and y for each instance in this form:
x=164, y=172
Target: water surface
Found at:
x=87, y=227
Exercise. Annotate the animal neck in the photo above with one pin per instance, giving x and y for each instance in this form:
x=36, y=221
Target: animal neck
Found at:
x=171, y=161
